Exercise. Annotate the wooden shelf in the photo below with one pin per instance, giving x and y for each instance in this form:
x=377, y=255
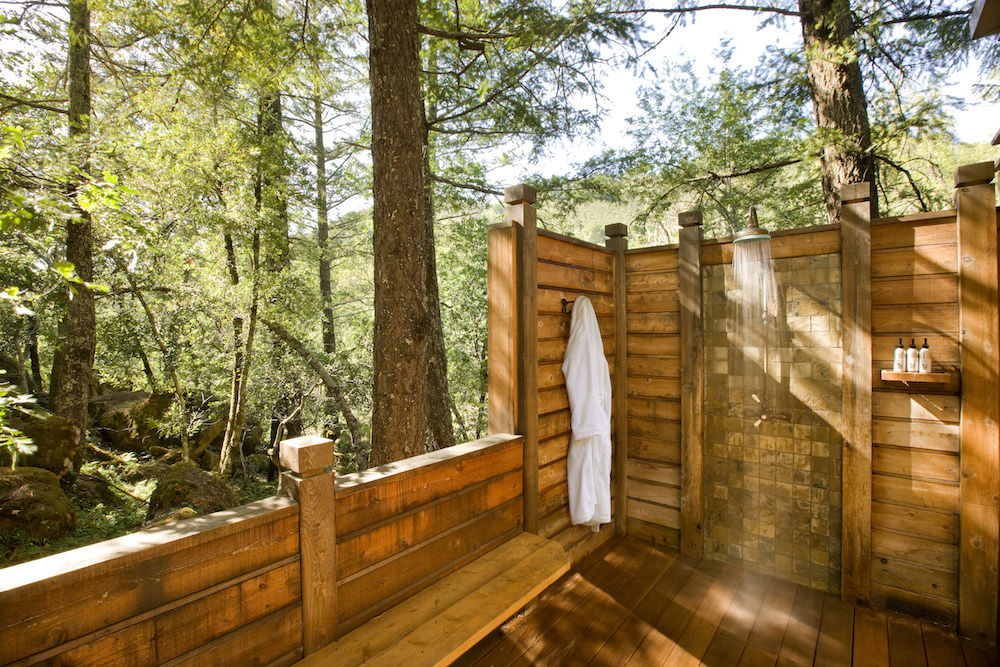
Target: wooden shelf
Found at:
x=916, y=378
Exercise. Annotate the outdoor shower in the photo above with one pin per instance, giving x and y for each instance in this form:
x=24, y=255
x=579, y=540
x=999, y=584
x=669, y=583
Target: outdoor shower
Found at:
x=758, y=312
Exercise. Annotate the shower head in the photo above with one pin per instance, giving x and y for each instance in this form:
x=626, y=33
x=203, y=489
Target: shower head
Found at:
x=753, y=231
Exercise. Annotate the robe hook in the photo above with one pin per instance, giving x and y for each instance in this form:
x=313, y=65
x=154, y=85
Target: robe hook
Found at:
x=565, y=306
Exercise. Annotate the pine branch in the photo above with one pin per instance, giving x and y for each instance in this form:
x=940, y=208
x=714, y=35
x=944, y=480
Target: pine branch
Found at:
x=466, y=186
x=700, y=8
x=746, y=172
x=34, y=104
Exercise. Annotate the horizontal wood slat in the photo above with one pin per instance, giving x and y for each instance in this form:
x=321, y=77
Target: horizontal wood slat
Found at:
x=935, y=289
x=900, y=405
x=658, y=260
x=920, y=261
x=412, y=483
x=73, y=594
x=570, y=251
x=914, y=493
x=366, y=548
x=941, y=526
x=375, y=590
x=906, y=232
x=573, y=278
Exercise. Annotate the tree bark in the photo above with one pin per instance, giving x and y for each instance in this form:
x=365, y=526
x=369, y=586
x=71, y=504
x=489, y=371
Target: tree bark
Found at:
x=323, y=232
x=838, y=98
x=74, y=357
x=400, y=234
x=440, y=428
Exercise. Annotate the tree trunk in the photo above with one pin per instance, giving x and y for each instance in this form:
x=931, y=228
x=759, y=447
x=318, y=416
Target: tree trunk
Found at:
x=838, y=98
x=323, y=232
x=332, y=385
x=331, y=427
x=440, y=428
x=36, y=367
x=400, y=234
x=74, y=357
x=242, y=354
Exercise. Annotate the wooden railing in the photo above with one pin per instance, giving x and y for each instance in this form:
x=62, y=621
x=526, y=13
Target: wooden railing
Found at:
x=261, y=584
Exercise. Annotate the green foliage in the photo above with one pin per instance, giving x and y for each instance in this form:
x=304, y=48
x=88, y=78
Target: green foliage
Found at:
x=12, y=439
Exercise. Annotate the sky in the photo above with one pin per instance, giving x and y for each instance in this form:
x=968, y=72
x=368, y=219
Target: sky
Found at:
x=698, y=41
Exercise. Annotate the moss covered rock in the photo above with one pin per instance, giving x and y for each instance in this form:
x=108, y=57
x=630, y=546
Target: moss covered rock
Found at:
x=187, y=485
x=57, y=442
x=33, y=503
x=127, y=420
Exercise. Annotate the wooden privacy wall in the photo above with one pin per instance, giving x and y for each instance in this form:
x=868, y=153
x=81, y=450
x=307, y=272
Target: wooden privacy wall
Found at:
x=915, y=431
x=219, y=589
x=404, y=526
x=530, y=272
x=654, y=394
x=567, y=268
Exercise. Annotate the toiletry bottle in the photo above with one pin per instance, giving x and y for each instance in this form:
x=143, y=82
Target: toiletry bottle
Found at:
x=912, y=357
x=899, y=358
x=925, y=358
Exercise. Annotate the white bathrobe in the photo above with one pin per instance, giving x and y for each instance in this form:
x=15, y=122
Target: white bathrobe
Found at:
x=588, y=384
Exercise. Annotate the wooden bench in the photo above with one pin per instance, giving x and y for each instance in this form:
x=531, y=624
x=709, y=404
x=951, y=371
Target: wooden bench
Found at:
x=440, y=623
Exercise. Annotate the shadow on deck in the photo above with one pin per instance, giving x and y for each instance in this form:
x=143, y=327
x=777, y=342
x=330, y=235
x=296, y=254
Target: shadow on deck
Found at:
x=633, y=603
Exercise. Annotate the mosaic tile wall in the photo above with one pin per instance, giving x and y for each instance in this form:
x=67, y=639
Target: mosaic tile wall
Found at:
x=773, y=484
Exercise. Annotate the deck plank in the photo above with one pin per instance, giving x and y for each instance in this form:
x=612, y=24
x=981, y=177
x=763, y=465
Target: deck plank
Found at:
x=772, y=621
x=941, y=647
x=667, y=629
x=906, y=642
x=798, y=647
x=978, y=654
x=631, y=585
x=871, y=638
x=619, y=649
x=724, y=651
x=745, y=607
x=706, y=619
x=638, y=604
x=554, y=607
x=836, y=634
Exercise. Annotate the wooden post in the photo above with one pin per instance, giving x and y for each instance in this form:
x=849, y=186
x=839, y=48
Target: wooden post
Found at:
x=856, y=272
x=617, y=242
x=308, y=482
x=520, y=211
x=502, y=242
x=979, y=430
x=692, y=386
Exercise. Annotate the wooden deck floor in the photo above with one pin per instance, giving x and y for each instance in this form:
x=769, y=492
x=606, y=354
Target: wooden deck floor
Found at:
x=636, y=604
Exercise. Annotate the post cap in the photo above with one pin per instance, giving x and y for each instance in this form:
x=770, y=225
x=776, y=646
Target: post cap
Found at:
x=690, y=219
x=974, y=174
x=616, y=229
x=520, y=194
x=308, y=454
x=852, y=192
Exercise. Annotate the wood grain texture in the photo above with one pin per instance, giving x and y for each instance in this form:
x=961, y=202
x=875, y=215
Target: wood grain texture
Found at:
x=856, y=271
x=692, y=331
x=318, y=550
x=502, y=327
x=439, y=624
x=617, y=243
x=378, y=588
x=527, y=353
x=379, y=494
x=980, y=425
x=71, y=595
